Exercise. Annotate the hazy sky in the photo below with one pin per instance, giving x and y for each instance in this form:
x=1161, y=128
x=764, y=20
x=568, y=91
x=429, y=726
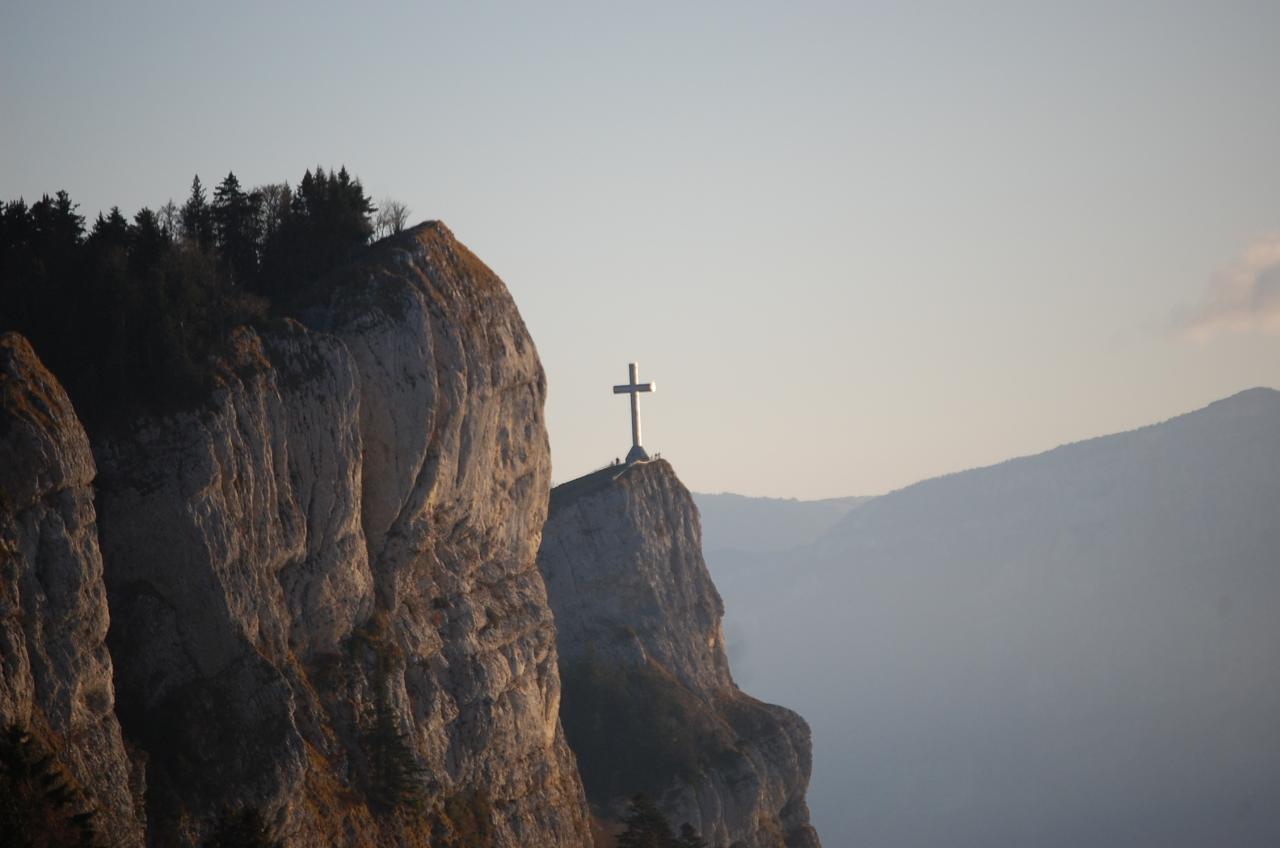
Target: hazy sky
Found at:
x=854, y=244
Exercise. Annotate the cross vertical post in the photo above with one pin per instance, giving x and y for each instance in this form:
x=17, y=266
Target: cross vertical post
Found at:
x=635, y=406
x=633, y=387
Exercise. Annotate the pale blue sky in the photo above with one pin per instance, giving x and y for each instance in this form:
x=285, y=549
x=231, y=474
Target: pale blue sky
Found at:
x=855, y=244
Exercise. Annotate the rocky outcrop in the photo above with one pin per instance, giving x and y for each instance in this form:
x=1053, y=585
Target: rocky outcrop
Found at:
x=650, y=704
x=325, y=579
x=325, y=608
x=55, y=672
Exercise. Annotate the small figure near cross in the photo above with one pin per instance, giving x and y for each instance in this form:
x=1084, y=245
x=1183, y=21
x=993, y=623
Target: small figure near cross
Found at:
x=633, y=387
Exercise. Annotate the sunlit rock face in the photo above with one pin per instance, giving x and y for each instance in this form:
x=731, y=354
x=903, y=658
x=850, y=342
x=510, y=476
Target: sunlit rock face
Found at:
x=348, y=526
x=650, y=704
x=55, y=672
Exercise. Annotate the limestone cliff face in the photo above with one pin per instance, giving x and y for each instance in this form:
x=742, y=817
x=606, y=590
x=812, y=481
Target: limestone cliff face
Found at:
x=55, y=672
x=650, y=704
x=348, y=530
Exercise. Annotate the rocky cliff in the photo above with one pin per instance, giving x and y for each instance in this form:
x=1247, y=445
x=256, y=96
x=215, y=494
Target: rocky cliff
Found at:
x=55, y=672
x=650, y=704
x=324, y=602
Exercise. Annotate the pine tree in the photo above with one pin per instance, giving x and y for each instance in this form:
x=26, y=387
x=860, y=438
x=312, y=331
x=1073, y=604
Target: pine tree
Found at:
x=148, y=241
x=21, y=301
x=43, y=268
x=235, y=224
x=243, y=829
x=40, y=805
x=646, y=826
x=110, y=232
x=689, y=838
x=57, y=232
x=328, y=222
x=197, y=218
x=396, y=779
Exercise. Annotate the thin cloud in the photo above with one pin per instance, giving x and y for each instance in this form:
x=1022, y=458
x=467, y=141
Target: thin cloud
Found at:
x=1243, y=297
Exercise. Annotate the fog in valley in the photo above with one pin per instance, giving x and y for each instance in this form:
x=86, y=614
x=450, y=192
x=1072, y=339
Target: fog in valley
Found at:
x=1076, y=648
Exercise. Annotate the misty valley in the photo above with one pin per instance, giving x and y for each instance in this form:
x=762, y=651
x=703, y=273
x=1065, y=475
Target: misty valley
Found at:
x=1074, y=648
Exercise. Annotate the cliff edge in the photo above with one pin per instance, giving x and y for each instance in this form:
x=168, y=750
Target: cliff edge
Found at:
x=325, y=608
x=650, y=704
x=56, y=692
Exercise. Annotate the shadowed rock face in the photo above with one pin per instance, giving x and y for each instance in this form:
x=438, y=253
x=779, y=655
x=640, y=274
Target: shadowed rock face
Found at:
x=350, y=524
x=650, y=704
x=55, y=672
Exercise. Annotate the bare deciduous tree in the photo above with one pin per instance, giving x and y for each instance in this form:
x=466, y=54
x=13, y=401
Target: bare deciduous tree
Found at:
x=170, y=219
x=391, y=218
x=274, y=208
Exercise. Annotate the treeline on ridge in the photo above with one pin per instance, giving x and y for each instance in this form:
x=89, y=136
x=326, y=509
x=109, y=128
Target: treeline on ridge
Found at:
x=126, y=313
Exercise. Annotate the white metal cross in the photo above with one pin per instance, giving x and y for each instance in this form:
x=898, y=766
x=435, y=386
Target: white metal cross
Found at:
x=633, y=388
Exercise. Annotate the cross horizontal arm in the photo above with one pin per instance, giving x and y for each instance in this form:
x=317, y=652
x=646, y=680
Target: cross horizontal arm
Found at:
x=631, y=388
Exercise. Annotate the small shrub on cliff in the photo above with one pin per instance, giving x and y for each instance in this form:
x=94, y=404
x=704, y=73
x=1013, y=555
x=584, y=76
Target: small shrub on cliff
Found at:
x=40, y=804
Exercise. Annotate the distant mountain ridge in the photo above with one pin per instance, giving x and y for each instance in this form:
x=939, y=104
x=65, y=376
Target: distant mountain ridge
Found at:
x=740, y=522
x=1076, y=647
x=1222, y=446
